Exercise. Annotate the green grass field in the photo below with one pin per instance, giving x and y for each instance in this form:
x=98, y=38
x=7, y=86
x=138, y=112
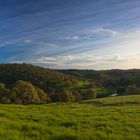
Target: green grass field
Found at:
x=113, y=118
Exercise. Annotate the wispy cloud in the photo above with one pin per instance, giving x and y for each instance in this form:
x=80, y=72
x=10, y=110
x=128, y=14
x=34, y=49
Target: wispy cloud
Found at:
x=115, y=55
x=66, y=37
x=106, y=32
x=85, y=61
x=71, y=34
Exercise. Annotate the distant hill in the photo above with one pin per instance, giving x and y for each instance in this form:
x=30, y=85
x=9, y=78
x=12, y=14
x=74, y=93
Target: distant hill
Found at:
x=47, y=79
x=27, y=84
x=107, y=78
x=83, y=84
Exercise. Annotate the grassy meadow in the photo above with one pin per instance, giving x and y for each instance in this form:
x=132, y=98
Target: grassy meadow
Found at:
x=113, y=118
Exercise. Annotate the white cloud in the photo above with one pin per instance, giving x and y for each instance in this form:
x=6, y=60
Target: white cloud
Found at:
x=75, y=37
x=46, y=59
x=122, y=53
x=28, y=41
x=66, y=37
x=106, y=32
x=85, y=61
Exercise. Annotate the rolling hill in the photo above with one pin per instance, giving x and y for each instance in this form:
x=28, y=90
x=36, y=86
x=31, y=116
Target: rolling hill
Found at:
x=107, y=78
x=64, y=85
x=46, y=79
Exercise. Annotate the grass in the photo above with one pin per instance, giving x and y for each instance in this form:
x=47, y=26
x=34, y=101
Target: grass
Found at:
x=80, y=84
x=113, y=118
x=102, y=92
x=115, y=101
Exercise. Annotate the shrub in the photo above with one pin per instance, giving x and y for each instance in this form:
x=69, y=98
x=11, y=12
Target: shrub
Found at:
x=67, y=96
x=89, y=94
x=4, y=94
x=77, y=96
x=43, y=96
x=132, y=89
x=24, y=92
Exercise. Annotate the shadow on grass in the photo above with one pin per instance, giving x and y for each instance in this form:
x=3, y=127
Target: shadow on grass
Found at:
x=97, y=103
x=102, y=104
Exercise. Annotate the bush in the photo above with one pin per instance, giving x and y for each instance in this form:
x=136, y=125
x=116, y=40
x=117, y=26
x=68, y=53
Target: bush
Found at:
x=132, y=89
x=2, y=86
x=67, y=96
x=89, y=94
x=4, y=94
x=43, y=96
x=77, y=96
x=26, y=92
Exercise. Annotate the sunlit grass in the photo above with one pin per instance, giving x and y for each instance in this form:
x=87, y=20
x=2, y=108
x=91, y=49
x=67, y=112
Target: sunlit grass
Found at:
x=115, y=118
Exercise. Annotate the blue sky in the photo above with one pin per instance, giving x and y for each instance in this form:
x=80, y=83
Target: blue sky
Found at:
x=64, y=34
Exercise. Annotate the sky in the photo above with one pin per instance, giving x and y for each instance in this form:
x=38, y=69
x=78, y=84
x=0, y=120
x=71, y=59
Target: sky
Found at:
x=71, y=34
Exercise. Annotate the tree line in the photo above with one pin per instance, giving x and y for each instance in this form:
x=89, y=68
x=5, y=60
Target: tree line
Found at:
x=24, y=92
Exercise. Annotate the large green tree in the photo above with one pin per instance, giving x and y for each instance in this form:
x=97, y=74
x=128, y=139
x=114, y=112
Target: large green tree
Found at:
x=25, y=93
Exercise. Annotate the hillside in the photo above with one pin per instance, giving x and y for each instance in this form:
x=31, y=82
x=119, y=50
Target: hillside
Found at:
x=107, y=78
x=52, y=80
x=106, y=82
x=115, y=101
x=28, y=84
x=46, y=79
x=64, y=85
x=101, y=119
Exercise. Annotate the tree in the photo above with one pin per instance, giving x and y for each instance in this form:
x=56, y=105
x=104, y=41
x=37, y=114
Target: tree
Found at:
x=120, y=90
x=26, y=93
x=132, y=89
x=89, y=94
x=67, y=96
x=55, y=96
x=77, y=96
x=42, y=96
x=4, y=94
x=2, y=86
x=15, y=96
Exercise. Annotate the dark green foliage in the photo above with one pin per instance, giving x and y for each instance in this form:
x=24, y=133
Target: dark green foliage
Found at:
x=4, y=94
x=59, y=87
x=62, y=85
x=43, y=96
x=120, y=90
x=26, y=92
x=46, y=79
x=2, y=86
x=110, y=79
x=107, y=78
x=77, y=95
x=67, y=96
x=88, y=94
x=132, y=90
x=64, y=96
x=55, y=96
x=23, y=93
